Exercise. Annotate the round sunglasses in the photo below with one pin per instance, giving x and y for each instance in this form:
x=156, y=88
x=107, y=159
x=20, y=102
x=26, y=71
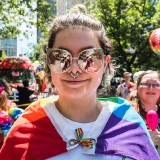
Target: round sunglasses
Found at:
x=89, y=60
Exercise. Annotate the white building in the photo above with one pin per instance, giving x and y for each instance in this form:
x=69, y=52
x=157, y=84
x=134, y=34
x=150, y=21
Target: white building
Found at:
x=9, y=46
x=64, y=5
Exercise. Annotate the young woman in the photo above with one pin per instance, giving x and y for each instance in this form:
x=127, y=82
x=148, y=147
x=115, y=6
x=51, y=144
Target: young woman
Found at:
x=145, y=98
x=78, y=125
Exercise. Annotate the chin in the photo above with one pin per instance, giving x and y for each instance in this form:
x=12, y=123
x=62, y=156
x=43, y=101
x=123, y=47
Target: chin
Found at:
x=74, y=95
x=80, y=95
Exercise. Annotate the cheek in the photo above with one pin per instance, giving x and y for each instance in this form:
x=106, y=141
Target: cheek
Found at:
x=97, y=77
x=55, y=80
x=140, y=92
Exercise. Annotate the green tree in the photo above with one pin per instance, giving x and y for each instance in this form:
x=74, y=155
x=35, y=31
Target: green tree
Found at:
x=3, y=55
x=128, y=24
x=38, y=50
x=15, y=13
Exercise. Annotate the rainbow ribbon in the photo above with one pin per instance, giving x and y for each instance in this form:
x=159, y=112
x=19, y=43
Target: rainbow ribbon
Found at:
x=87, y=142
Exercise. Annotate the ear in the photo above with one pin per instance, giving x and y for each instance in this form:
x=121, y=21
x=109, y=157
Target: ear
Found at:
x=107, y=60
x=108, y=57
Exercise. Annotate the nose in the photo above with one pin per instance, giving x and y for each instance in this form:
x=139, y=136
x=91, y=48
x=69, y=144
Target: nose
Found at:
x=74, y=68
x=151, y=86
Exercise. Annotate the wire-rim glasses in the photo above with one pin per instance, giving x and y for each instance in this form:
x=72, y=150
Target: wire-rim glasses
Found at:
x=89, y=60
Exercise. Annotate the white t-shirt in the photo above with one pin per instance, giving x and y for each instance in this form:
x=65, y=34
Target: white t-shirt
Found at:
x=76, y=153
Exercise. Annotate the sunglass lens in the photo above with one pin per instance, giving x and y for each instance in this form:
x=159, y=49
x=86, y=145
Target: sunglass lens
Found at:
x=59, y=60
x=90, y=60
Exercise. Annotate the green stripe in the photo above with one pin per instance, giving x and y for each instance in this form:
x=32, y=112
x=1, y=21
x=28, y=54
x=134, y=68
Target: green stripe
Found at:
x=112, y=99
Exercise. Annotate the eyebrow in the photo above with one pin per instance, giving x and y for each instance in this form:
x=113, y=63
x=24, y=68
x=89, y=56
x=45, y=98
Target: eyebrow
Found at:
x=80, y=50
x=147, y=81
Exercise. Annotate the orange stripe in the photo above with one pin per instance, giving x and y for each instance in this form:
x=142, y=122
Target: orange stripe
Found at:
x=33, y=112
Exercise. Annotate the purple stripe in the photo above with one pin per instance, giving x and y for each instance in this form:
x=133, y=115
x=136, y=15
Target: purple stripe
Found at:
x=125, y=138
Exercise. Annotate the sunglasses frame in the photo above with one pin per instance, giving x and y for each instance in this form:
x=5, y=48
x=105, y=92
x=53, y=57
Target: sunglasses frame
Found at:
x=149, y=85
x=50, y=50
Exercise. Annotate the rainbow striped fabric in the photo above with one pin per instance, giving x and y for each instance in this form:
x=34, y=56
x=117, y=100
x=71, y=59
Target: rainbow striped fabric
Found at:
x=34, y=137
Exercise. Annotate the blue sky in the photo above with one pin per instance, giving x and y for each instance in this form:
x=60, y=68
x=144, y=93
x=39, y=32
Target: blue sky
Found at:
x=24, y=45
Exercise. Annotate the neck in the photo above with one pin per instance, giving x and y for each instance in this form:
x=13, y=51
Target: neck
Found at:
x=149, y=106
x=127, y=82
x=82, y=111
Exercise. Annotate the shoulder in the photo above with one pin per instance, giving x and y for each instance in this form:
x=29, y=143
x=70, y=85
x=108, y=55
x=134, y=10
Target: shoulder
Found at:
x=125, y=123
x=117, y=103
x=32, y=126
x=119, y=87
x=19, y=87
x=122, y=85
x=27, y=123
x=34, y=112
x=131, y=84
x=122, y=109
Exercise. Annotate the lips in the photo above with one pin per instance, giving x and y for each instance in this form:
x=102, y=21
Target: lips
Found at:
x=75, y=81
x=150, y=93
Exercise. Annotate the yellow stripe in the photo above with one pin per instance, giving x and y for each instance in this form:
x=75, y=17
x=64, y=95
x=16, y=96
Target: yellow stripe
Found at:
x=27, y=104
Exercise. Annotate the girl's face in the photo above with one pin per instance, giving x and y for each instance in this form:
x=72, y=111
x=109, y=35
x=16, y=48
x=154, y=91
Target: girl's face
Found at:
x=148, y=89
x=75, y=40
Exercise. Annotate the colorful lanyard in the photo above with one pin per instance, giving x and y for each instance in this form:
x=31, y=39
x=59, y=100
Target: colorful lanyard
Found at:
x=87, y=142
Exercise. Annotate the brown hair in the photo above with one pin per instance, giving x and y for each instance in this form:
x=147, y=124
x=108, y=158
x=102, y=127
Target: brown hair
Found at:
x=127, y=73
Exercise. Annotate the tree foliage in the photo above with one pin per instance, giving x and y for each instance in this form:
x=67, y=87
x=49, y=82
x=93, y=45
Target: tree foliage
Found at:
x=128, y=24
x=16, y=13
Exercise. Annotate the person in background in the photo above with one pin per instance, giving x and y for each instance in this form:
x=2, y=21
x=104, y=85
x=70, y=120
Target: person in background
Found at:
x=136, y=75
x=125, y=88
x=8, y=110
x=24, y=94
x=145, y=98
x=133, y=93
x=5, y=92
x=77, y=125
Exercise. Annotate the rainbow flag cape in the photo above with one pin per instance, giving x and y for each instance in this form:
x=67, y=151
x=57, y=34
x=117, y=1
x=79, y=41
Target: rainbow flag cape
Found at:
x=34, y=137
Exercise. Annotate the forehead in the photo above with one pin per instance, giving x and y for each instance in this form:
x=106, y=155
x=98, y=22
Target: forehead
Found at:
x=127, y=75
x=151, y=77
x=76, y=37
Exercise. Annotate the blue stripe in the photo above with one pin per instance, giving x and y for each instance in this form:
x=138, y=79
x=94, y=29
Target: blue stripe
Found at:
x=125, y=111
